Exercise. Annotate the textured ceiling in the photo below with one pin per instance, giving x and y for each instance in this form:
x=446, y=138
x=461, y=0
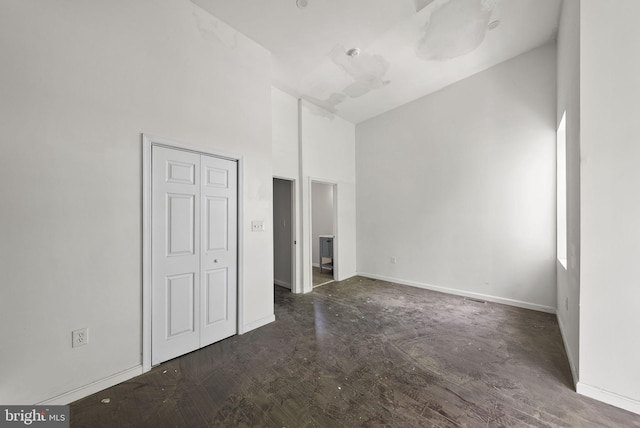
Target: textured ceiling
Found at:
x=409, y=48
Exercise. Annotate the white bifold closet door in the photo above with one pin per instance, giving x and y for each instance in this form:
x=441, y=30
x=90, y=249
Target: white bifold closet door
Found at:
x=194, y=251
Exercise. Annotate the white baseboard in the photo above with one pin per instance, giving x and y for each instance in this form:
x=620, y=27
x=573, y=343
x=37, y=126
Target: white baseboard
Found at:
x=257, y=324
x=609, y=397
x=487, y=297
x=347, y=276
x=574, y=371
x=102, y=384
x=282, y=283
x=97, y=386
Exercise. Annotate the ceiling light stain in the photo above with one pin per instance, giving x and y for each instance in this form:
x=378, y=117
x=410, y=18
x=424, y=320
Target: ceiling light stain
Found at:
x=455, y=28
x=327, y=106
x=367, y=73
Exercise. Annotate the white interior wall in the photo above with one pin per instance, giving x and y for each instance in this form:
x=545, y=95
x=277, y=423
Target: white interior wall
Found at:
x=311, y=143
x=286, y=160
x=459, y=186
x=321, y=216
x=568, y=279
x=84, y=80
x=284, y=134
x=328, y=154
x=610, y=206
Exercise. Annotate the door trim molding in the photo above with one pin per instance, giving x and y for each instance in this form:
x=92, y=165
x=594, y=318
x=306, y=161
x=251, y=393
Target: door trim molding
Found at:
x=148, y=141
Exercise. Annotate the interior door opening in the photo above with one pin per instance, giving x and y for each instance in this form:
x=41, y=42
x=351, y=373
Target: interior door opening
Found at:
x=284, y=233
x=323, y=233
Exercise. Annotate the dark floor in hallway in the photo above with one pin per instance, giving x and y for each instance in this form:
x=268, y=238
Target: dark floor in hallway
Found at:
x=365, y=353
x=321, y=278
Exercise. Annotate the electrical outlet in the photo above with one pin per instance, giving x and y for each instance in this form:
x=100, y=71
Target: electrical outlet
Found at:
x=257, y=226
x=79, y=337
x=393, y=260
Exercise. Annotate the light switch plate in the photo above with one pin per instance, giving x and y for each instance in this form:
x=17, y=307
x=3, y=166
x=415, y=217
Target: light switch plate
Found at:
x=257, y=226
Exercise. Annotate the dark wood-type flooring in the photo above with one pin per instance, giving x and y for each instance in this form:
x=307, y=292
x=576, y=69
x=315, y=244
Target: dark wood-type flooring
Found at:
x=321, y=278
x=365, y=353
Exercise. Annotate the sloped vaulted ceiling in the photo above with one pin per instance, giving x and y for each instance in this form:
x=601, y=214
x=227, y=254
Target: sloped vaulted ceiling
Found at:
x=408, y=48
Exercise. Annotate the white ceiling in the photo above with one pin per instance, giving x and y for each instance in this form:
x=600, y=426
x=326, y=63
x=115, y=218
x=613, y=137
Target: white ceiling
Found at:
x=409, y=48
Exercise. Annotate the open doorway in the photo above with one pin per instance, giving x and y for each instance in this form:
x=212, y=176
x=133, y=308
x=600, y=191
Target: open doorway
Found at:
x=323, y=231
x=284, y=233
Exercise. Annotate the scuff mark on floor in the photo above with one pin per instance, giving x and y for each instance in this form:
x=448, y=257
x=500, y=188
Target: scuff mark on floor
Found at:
x=455, y=28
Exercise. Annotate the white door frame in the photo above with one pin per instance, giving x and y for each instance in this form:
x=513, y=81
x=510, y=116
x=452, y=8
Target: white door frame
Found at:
x=148, y=141
x=295, y=269
x=336, y=225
